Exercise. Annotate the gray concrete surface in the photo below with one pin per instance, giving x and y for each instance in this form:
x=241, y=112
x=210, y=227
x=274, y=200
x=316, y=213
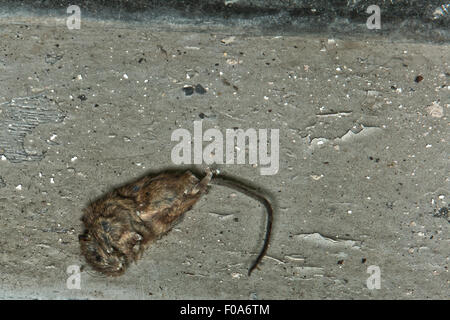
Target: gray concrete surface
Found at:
x=363, y=177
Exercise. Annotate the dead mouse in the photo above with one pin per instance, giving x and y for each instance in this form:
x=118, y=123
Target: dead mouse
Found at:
x=123, y=223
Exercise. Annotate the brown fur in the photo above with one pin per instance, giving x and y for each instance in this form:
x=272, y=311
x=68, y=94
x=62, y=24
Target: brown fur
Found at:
x=123, y=223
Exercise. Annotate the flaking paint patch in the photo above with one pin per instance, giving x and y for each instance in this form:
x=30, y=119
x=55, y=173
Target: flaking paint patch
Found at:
x=318, y=239
x=18, y=118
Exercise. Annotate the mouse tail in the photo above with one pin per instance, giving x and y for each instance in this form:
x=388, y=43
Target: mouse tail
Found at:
x=232, y=183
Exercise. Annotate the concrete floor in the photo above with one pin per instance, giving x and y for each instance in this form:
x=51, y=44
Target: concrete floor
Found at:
x=363, y=178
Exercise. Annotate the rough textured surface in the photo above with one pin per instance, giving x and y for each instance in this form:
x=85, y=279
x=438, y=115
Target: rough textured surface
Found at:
x=363, y=176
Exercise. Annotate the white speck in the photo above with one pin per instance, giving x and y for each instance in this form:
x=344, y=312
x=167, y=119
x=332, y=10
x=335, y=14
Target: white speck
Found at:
x=79, y=77
x=349, y=211
x=74, y=158
x=441, y=196
x=228, y=40
x=338, y=69
x=428, y=146
x=19, y=187
x=125, y=76
x=53, y=137
x=320, y=142
x=3, y=158
x=40, y=174
x=52, y=180
x=373, y=93
x=236, y=275
x=266, y=98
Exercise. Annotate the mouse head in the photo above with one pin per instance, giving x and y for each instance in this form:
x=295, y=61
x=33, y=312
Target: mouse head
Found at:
x=101, y=257
x=109, y=241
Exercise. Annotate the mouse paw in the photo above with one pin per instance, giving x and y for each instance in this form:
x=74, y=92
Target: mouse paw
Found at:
x=202, y=186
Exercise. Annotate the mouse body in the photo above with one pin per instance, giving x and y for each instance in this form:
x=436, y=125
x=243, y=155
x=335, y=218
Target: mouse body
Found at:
x=122, y=224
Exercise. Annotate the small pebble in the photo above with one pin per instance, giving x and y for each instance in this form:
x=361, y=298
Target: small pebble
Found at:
x=199, y=89
x=188, y=91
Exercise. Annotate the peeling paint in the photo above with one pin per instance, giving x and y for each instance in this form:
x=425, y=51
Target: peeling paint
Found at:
x=18, y=118
x=320, y=240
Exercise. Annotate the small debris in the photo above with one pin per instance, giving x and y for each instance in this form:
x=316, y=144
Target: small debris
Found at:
x=188, y=91
x=2, y=183
x=233, y=62
x=82, y=97
x=199, y=89
x=228, y=40
x=435, y=110
x=418, y=79
x=160, y=47
x=52, y=58
x=442, y=213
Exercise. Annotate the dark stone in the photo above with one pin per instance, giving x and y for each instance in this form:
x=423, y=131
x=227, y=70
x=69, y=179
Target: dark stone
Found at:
x=199, y=89
x=188, y=91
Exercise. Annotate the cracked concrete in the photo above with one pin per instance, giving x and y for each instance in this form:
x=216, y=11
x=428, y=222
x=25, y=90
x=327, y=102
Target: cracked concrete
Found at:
x=363, y=176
